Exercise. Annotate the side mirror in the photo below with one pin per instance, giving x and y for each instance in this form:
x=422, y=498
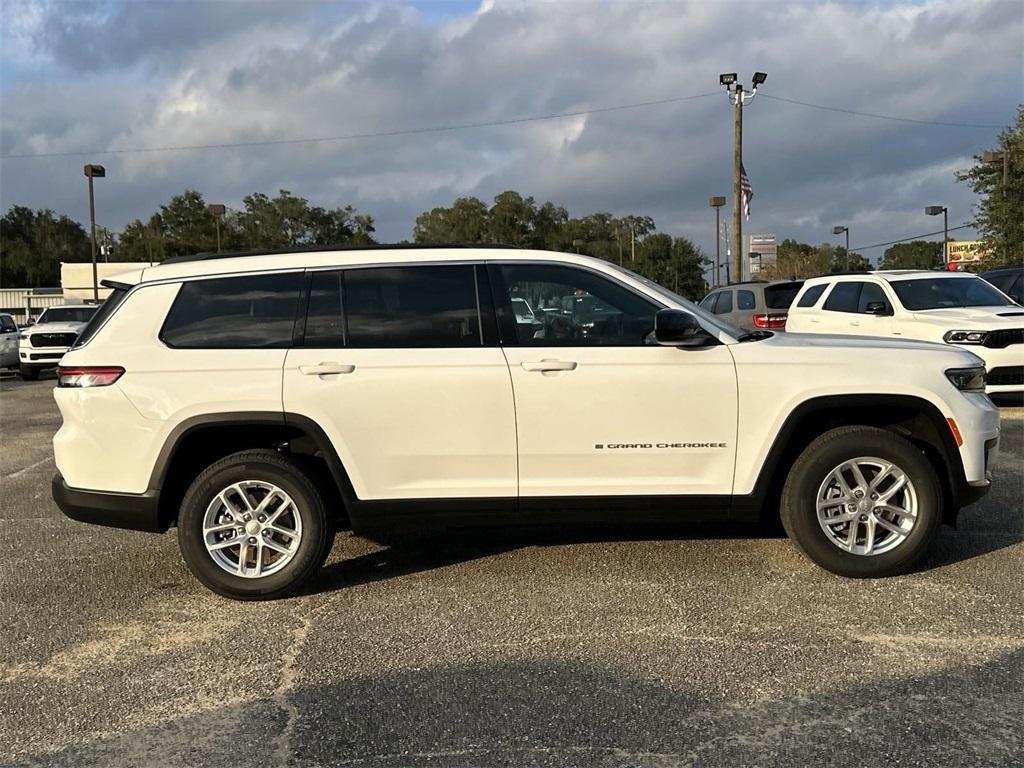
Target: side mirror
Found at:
x=878, y=308
x=676, y=328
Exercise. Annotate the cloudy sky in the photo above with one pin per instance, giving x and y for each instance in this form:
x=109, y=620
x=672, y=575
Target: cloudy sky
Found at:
x=95, y=77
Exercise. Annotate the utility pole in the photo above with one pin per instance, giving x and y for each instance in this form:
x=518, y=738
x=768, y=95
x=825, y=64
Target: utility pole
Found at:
x=91, y=172
x=739, y=97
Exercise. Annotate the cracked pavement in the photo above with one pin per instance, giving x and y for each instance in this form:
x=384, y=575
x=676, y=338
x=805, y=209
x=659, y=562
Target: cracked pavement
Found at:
x=672, y=647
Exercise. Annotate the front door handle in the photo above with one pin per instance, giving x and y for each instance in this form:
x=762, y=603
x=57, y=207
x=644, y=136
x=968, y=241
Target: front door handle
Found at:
x=325, y=369
x=545, y=366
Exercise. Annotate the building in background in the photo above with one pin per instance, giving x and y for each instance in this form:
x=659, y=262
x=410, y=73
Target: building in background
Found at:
x=76, y=278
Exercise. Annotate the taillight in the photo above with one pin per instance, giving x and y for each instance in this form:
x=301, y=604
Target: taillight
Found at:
x=770, y=320
x=88, y=376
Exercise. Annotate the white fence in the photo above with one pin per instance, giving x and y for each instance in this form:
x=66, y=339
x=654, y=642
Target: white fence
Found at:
x=25, y=303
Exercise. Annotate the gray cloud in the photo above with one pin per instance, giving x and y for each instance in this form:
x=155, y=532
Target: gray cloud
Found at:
x=223, y=72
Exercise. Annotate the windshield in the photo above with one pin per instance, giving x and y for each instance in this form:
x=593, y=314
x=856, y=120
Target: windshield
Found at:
x=947, y=293
x=67, y=315
x=708, y=320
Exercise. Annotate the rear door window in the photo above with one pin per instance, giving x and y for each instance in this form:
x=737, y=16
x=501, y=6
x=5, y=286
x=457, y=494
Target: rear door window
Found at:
x=845, y=297
x=412, y=306
x=243, y=312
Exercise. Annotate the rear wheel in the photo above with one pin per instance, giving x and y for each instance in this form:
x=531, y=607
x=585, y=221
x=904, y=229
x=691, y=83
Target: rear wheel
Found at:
x=29, y=373
x=254, y=526
x=862, y=502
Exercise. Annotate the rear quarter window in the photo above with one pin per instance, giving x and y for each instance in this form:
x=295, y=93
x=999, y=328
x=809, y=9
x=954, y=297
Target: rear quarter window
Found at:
x=811, y=295
x=243, y=312
x=107, y=308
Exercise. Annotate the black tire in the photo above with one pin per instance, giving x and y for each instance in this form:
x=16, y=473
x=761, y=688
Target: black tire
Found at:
x=799, y=497
x=29, y=373
x=290, y=476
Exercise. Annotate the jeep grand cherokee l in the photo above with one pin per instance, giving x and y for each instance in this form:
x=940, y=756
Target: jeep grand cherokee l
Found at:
x=258, y=402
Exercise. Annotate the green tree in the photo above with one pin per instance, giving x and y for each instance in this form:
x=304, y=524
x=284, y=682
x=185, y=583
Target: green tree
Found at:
x=34, y=243
x=917, y=254
x=142, y=242
x=999, y=215
x=511, y=219
x=187, y=225
x=797, y=260
x=464, y=222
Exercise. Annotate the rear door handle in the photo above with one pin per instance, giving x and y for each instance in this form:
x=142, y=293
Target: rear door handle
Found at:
x=549, y=365
x=325, y=369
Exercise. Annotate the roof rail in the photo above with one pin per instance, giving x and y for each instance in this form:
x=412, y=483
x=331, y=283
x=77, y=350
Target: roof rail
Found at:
x=207, y=256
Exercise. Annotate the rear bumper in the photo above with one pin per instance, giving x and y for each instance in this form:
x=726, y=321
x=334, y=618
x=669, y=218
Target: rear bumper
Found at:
x=135, y=511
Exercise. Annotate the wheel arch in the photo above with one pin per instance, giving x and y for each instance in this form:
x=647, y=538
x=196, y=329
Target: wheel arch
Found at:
x=915, y=418
x=200, y=440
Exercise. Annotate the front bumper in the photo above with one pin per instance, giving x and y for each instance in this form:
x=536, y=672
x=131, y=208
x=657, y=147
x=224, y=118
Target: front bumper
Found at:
x=43, y=357
x=135, y=511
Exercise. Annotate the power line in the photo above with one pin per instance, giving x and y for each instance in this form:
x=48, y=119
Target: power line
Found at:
x=907, y=239
x=371, y=135
x=879, y=117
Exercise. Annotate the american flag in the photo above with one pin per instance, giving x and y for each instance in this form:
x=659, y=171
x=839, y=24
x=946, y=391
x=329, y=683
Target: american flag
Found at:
x=746, y=191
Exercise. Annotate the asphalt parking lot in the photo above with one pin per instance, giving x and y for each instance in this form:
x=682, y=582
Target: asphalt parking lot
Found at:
x=697, y=648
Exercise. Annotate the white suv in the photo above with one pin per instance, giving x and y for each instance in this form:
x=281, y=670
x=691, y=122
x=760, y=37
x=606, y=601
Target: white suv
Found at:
x=260, y=401
x=43, y=345
x=945, y=307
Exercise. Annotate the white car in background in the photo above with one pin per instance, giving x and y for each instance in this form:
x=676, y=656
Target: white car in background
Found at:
x=44, y=344
x=945, y=307
x=8, y=341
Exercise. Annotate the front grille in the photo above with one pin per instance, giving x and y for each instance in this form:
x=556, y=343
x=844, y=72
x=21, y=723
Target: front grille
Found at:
x=1005, y=376
x=1004, y=338
x=52, y=339
x=41, y=356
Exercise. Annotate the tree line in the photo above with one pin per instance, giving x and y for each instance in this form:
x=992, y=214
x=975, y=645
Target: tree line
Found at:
x=34, y=242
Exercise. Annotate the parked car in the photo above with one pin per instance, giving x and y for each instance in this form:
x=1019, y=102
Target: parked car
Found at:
x=42, y=345
x=8, y=341
x=753, y=305
x=259, y=402
x=1009, y=280
x=954, y=308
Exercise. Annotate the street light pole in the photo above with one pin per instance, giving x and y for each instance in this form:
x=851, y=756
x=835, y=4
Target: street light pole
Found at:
x=739, y=98
x=217, y=210
x=935, y=210
x=839, y=230
x=91, y=172
x=717, y=203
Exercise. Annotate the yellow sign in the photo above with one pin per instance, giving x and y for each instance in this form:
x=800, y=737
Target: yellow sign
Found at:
x=965, y=250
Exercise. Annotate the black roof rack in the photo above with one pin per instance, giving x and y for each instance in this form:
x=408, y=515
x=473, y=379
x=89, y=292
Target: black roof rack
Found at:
x=206, y=256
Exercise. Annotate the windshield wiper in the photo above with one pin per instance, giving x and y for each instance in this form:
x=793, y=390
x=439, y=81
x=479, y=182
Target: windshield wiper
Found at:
x=755, y=336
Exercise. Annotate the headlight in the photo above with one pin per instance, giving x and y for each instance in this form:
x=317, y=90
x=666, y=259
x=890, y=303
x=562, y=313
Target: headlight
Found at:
x=965, y=337
x=967, y=379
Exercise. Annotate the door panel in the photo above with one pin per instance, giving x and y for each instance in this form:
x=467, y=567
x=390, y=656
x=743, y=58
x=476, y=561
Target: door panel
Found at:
x=411, y=423
x=625, y=420
x=394, y=368
x=600, y=409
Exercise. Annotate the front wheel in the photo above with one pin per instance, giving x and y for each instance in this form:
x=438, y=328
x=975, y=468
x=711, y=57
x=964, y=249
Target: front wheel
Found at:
x=862, y=502
x=29, y=373
x=254, y=526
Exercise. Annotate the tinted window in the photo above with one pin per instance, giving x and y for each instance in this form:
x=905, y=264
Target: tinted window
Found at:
x=412, y=307
x=810, y=298
x=708, y=302
x=249, y=311
x=67, y=315
x=844, y=297
x=781, y=296
x=325, y=321
x=871, y=294
x=745, y=300
x=574, y=307
x=724, y=304
x=7, y=324
x=946, y=292
x=99, y=317
x=1016, y=290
